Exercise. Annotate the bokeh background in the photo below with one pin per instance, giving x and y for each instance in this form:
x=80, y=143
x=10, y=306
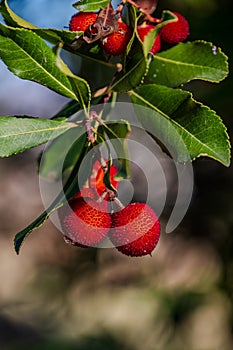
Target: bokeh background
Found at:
x=54, y=296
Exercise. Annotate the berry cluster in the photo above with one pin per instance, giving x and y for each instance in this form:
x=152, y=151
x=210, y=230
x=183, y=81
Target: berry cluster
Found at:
x=86, y=222
x=89, y=217
x=116, y=43
x=171, y=33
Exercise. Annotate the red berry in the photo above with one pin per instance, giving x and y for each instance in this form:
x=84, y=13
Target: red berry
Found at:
x=97, y=180
x=115, y=44
x=135, y=230
x=143, y=31
x=85, y=222
x=174, y=32
x=82, y=20
x=156, y=46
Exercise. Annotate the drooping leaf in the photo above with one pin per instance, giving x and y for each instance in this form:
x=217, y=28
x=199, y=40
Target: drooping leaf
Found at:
x=90, y=5
x=52, y=35
x=20, y=133
x=72, y=186
x=22, y=235
x=186, y=127
x=188, y=61
x=12, y=19
x=28, y=57
x=64, y=38
x=79, y=85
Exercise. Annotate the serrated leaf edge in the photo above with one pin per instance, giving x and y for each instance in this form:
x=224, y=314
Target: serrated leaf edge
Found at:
x=161, y=58
x=190, y=95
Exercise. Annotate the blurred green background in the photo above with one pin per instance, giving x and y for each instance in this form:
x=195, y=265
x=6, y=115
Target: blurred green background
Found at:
x=54, y=296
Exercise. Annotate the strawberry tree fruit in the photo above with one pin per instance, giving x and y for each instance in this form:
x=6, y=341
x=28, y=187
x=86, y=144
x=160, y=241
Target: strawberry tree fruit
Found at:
x=97, y=179
x=116, y=43
x=175, y=32
x=173, y=117
x=135, y=230
x=84, y=221
x=82, y=20
x=143, y=31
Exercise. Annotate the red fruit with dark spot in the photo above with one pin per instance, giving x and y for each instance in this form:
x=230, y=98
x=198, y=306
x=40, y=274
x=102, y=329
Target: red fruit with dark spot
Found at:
x=174, y=32
x=135, y=230
x=116, y=43
x=97, y=179
x=143, y=31
x=84, y=221
x=81, y=21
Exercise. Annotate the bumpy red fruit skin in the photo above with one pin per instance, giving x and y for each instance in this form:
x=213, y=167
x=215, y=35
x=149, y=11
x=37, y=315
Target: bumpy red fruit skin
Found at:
x=115, y=44
x=143, y=31
x=135, y=230
x=84, y=221
x=82, y=20
x=174, y=32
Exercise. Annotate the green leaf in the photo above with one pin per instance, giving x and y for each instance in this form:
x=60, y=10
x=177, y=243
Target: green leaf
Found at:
x=52, y=35
x=183, y=125
x=64, y=38
x=72, y=186
x=79, y=85
x=12, y=19
x=117, y=132
x=28, y=57
x=56, y=36
x=62, y=154
x=90, y=5
x=21, y=133
x=136, y=68
x=135, y=64
x=22, y=235
x=188, y=61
